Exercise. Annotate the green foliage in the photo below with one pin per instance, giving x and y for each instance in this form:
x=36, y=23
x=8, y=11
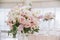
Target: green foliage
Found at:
x=36, y=30
x=15, y=29
x=16, y=24
x=26, y=30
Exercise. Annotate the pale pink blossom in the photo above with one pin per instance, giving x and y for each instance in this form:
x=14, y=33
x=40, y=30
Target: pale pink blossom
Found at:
x=49, y=16
x=25, y=17
x=40, y=17
x=27, y=25
x=20, y=28
x=10, y=24
x=21, y=19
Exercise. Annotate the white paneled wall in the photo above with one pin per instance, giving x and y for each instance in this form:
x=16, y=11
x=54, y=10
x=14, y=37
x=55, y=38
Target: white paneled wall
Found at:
x=3, y=18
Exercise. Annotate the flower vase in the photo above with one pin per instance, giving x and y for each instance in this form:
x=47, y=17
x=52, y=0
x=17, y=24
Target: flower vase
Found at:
x=10, y=36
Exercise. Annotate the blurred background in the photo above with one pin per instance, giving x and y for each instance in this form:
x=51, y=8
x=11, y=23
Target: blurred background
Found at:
x=47, y=28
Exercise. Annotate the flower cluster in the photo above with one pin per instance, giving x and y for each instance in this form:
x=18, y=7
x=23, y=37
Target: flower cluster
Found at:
x=22, y=20
x=49, y=16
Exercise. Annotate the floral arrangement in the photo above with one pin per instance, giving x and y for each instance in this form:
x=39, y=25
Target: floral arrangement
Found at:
x=22, y=20
x=49, y=16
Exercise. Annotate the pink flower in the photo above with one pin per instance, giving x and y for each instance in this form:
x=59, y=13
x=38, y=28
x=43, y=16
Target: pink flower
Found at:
x=32, y=24
x=31, y=18
x=9, y=22
x=22, y=20
x=20, y=28
x=40, y=17
x=27, y=25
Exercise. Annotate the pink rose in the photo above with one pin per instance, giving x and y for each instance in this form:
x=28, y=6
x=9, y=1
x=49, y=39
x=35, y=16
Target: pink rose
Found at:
x=27, y=25
x=22, y=20
x=10, y=24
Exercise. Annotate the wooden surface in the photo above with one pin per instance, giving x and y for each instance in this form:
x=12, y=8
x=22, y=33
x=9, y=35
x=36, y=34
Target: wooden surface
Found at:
x=42, y=37
x=4, y=36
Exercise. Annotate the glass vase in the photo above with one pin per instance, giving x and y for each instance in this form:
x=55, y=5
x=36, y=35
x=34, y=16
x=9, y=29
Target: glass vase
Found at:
x=22, y=36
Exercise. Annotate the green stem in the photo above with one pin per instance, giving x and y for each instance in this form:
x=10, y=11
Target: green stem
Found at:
x=14, y=35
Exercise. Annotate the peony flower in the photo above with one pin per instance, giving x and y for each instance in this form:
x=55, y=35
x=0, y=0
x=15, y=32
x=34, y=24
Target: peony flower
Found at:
x=27, y=25
x=22, y=20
